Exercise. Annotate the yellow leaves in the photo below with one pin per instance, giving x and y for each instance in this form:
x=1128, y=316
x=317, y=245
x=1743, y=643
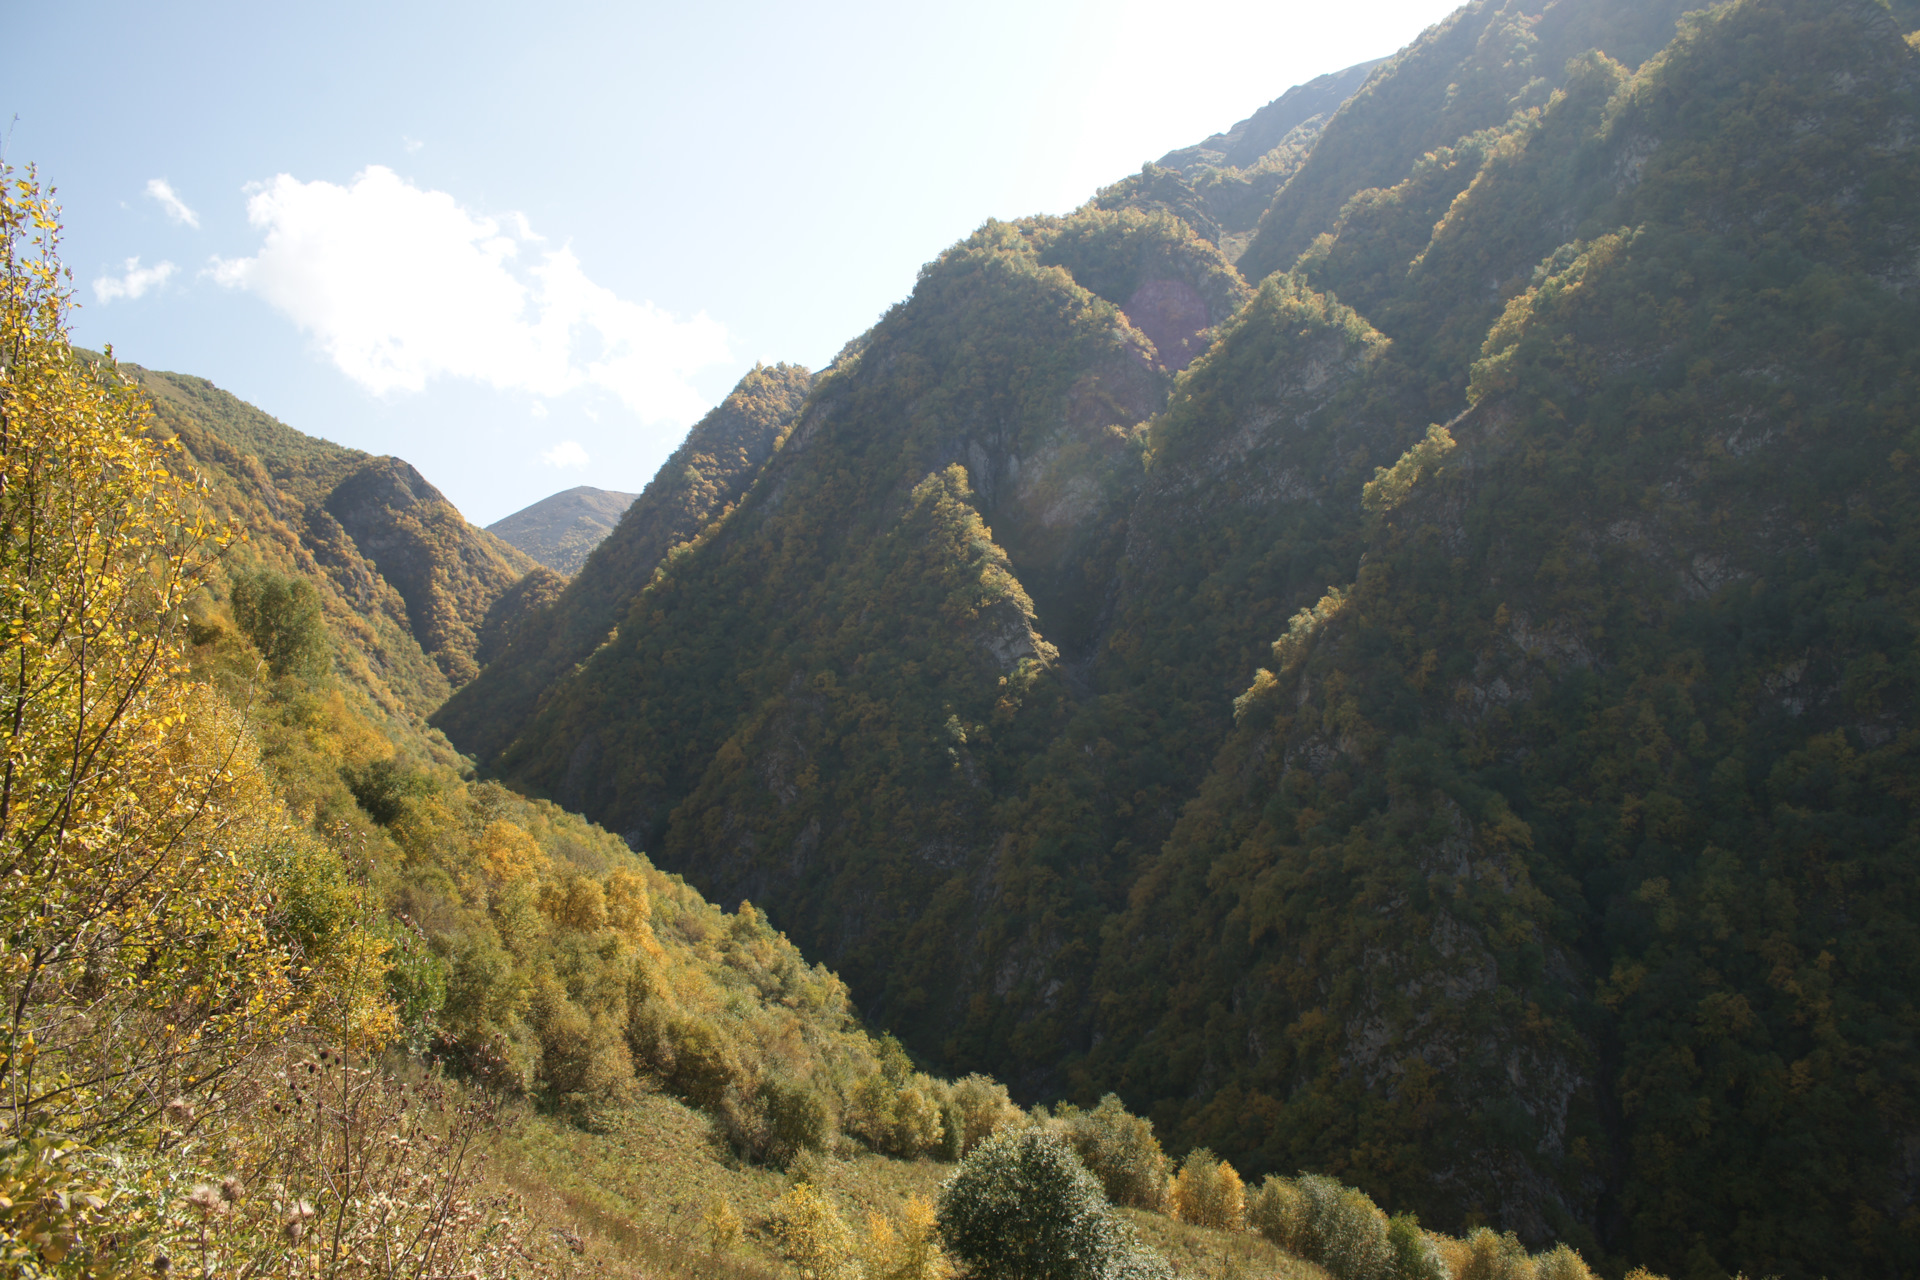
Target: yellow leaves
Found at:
x=508, y=854
x=629, y=906
x=139, y=827
x=909, y=1252
x=812, y=1233
x=721, y=1225
x=1209, y=1193
x=575, y=902
x=1391, y=486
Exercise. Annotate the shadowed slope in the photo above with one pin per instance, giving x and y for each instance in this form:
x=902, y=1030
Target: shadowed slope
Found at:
x=696, y=488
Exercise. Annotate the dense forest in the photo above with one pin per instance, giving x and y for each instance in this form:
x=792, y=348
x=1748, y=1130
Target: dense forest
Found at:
x=1411, y=685
x=289, y=990
x=1345, y=709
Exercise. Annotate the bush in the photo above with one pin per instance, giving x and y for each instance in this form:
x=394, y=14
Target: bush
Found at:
x=794, y=1118
x=1493, y=1256
x=1414, y=1257
x=385, y=788
x=1325, y=1222
x=721, y=1225
x=1562, y=1262
x=953, y=1131
x=1120, y=1150
x=687, y=1052
x=917, y=1127
x=811, y=1232
x=1209, y=1193
x=909, y=1252
x=985, y=1109
x=1022, y=1206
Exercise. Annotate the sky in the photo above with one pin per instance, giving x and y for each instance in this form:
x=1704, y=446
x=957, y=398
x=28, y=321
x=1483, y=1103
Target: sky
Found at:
x=526, y=247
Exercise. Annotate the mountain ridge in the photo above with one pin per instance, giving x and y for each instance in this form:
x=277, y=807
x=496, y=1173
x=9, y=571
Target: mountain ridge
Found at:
x=995, y=832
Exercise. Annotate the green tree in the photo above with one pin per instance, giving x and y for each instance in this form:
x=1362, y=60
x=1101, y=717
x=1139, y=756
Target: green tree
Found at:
x=1119, y=1149
x=281, y=616
x=138, y=832
x=1022, y=1206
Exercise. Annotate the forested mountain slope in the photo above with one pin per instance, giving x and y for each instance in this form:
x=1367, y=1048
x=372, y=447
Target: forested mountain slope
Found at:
x=1490, y=60
x=545, y=629
x=404, y=581
x=1578, y=826
x=561, y=530
x=1221, y=186
x=1557, y=869
x=535, y=954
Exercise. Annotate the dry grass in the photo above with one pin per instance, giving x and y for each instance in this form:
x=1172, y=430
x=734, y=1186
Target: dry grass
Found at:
x=1206, y=1254
x=634, y=1197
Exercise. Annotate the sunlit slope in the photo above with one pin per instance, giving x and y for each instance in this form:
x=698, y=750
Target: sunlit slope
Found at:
x=404, y=580
x=562, y=529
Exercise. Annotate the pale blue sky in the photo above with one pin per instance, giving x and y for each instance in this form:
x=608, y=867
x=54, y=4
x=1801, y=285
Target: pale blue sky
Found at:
x=522, y=247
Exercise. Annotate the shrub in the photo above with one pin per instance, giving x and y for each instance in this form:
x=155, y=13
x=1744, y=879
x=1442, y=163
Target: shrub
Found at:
x=917, y=1127
x=811, y=1232
x=687, y=1052
x=793, y=1118
x=985, y=1109
x=721, y=1225
x=870, y=1111
x=1325, y=1222
x=1562, y=1262
x=1209, y=1193
x=1275, y=1210
x=385, y=788
x=1414, y=1257
x=1022, y=1206
x=1493, y=1256
x=953, y=1131
x=1120, y=1150
x=575, y=902
x=910, y=1252
x=282, y=617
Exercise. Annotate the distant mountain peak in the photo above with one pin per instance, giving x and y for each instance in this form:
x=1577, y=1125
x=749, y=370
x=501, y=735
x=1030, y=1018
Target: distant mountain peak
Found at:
x=561, y=530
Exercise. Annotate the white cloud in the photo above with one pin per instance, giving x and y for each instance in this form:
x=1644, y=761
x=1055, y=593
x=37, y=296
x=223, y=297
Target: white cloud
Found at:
x=162, y=190
x=135, y=282
x=567, y=453
x=400, y=286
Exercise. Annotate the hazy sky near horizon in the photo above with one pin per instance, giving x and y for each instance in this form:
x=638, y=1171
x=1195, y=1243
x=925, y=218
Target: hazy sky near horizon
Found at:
x=525, y=248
